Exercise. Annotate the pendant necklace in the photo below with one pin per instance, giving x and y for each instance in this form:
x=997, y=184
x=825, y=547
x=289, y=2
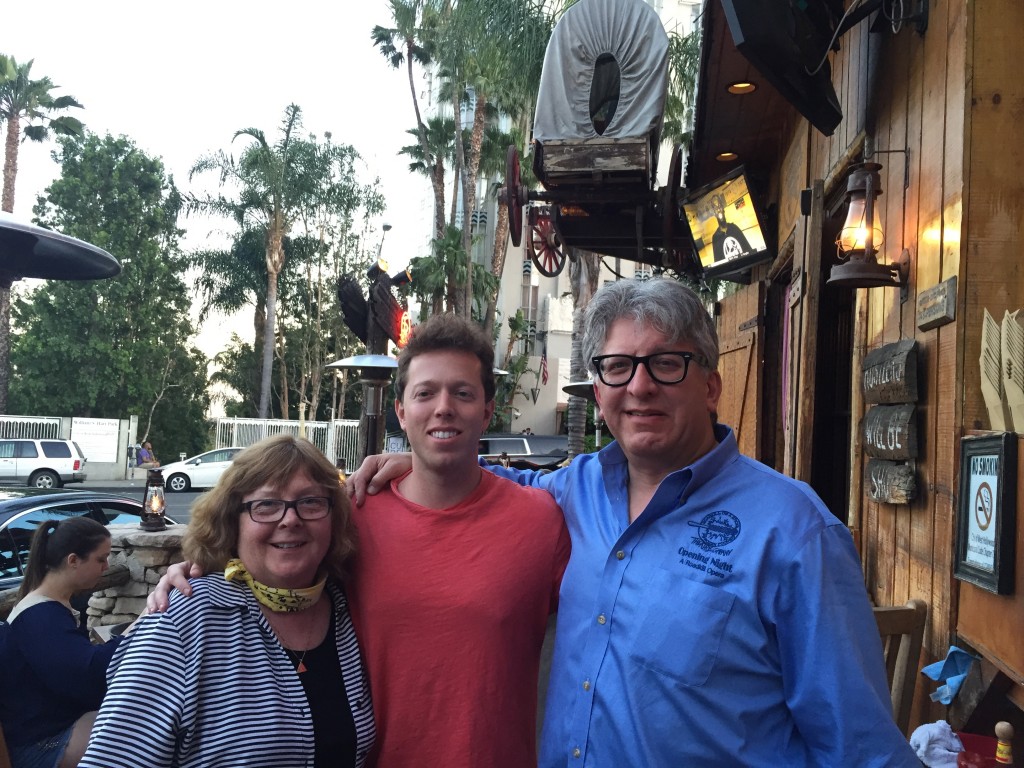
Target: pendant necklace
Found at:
x=300, y=666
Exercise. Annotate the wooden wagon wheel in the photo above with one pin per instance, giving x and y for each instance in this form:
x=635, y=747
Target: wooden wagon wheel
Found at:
x=545, y=248
x=514, y=196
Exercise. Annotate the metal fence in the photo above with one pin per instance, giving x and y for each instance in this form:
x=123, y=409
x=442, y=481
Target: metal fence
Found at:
x=35, y=427
x=338, y=439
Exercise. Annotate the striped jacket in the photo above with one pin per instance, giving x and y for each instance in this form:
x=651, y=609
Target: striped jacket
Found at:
x=207, y=684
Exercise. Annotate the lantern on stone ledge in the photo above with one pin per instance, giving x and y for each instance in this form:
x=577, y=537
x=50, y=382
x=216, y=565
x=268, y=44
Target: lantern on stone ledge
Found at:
x=153, y=503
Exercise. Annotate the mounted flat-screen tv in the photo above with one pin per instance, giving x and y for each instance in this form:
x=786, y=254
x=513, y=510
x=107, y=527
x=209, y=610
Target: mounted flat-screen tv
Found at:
x=726, y=226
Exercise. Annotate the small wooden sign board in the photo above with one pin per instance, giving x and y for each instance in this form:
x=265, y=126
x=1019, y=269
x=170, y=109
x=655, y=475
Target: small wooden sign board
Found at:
x=937, y=306
x=890, y=373
x=890, y=432
x=889, y=482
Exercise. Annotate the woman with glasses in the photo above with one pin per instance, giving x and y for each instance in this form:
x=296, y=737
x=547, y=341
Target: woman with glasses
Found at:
x=260, y=667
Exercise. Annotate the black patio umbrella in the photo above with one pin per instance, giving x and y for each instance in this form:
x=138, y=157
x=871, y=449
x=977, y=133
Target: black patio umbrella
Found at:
x=30, y=251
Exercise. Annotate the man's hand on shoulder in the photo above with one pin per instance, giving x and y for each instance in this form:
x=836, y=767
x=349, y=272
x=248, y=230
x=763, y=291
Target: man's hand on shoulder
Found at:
x=375, y=473
x=177, y=577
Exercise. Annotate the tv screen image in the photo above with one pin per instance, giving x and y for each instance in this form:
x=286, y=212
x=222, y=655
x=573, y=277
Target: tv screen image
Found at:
x=725, y=226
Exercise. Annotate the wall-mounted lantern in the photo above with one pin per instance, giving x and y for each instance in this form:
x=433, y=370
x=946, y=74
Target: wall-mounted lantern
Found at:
x=861, y=237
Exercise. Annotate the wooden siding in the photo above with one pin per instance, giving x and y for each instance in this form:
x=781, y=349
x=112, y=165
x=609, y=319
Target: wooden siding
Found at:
x=918, y=123
x=990, y=268
x=942, y=113
x=992, y=623
x=741, y=349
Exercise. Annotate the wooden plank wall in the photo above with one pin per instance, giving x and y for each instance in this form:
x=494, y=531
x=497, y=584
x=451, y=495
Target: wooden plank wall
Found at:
x=992, y=623
x=955, y=200
x=917, y=104
x=992, y=272
x=994, y=224
x=741, y=350
x=914, y=541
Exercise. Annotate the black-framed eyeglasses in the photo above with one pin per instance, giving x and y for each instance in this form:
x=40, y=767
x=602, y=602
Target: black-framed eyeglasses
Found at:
x=663, y=367
x=273, y=510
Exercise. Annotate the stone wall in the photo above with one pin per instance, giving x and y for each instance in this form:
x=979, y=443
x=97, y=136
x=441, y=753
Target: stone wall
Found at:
x=146, y=555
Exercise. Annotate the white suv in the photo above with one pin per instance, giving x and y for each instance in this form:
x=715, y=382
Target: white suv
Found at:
x=42, y=463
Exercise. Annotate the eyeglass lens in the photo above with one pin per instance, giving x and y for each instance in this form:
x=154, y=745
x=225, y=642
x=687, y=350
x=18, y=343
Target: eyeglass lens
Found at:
x=273, y=510
x=664, y=368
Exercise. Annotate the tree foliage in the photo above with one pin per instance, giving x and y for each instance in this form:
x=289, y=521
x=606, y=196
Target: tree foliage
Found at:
x=117, y=347
x=23, y=98
x=326, y=206
x=32, y=101
x=680, y=101
x=488, y=54
x=516, y=364
x=267, y=187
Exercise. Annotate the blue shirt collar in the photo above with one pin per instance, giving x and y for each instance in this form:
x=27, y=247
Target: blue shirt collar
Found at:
x=689, y=478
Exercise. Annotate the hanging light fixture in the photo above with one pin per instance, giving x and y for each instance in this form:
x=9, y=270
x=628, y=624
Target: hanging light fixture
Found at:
x=153, y=503
x=861, y=237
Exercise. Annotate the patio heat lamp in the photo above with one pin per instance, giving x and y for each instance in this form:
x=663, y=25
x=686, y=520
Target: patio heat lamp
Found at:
x=153, y=502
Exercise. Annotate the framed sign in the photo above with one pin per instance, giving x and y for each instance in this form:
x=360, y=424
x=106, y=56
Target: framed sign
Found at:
x=987, y=512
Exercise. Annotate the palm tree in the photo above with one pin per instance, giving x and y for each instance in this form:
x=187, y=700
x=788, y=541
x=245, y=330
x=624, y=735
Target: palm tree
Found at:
x=441, y=150
x=406, y=42
x=433, y=277
x=584, y=271
x=267, y=199
x=23, y=99
x=229, y=280
x=8, y=70
x=490, y=55
x=683, y=67
x=492, y=165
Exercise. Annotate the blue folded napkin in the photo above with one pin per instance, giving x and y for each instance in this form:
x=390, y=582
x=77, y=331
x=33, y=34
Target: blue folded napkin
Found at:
x=951, y=672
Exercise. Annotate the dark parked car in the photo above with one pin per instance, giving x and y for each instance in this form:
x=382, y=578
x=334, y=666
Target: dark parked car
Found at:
x=525, y=451
x=22, y=510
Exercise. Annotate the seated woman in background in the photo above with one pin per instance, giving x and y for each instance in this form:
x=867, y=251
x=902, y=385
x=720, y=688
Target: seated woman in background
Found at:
x=54, y=677
x=260, y=666
x=145, y=458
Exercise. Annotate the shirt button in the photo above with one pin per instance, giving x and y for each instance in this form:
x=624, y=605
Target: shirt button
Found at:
x=586, y=685
x=620, y=555
x=601, y=619
x=576, y=752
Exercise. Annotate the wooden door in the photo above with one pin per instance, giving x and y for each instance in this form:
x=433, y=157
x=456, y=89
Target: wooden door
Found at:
x=741, y=352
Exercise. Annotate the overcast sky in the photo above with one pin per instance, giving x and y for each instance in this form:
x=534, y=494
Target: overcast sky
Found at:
x=180, y=78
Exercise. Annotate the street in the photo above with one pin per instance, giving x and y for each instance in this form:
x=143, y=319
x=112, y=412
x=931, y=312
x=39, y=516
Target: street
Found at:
x=179, y=505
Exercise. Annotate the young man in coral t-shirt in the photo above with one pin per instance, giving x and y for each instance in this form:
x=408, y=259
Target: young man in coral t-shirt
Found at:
x=456, y=574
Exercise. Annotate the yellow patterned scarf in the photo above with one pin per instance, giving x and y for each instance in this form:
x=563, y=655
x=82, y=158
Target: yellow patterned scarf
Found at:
x=276, y=599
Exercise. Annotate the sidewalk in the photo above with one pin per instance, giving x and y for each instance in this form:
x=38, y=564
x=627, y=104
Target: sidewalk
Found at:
x=124, y=487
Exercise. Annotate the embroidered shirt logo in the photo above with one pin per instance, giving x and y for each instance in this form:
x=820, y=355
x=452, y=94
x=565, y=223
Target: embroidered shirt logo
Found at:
x=716, y=530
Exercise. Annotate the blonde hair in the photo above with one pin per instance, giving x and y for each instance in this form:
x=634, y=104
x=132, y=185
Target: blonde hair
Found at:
x=212, y=536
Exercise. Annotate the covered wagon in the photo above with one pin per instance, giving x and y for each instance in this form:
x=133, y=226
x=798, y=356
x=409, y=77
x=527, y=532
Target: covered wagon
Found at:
x=596, y=140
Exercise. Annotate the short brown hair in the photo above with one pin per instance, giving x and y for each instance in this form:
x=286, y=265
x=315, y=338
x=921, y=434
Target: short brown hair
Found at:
x=442, y=333
x=212, y=536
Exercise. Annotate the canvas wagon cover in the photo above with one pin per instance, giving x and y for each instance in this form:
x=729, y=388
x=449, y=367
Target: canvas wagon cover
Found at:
x=632, y=33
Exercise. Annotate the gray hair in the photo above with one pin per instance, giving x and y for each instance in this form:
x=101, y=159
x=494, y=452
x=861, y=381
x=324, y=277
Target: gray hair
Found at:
x=664, y=305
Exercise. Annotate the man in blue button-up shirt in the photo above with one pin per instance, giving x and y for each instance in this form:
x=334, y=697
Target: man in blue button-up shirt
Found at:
x=713, y=611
